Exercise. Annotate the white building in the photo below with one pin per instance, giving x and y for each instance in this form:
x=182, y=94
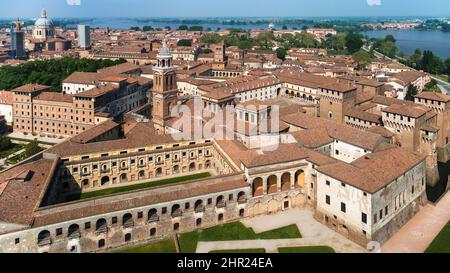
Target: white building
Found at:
x=43, y=27
x=373, y=196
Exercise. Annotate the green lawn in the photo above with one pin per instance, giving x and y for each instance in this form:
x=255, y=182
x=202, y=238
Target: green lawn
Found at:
x=141, y=186
x=442, y=77
x=13, y=149
x=235, y=231
x=306, y=249
x=250, y=250
x=441, y=244
x=20, y=157
x=163, y=246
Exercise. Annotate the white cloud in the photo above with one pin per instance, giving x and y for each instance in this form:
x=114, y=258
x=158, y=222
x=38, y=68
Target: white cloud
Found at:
x=374, y=2
x=73, y=2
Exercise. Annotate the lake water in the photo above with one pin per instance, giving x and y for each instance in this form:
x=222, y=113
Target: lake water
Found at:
x=409, y=40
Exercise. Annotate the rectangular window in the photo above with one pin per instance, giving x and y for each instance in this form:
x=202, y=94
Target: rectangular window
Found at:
x=386, y=210
x=164, y=210
x=343, y=207
x=381, y=214
x=59, y=231
x=114, y=220
x=364, y=218
x=328, y=183
x=327, y=200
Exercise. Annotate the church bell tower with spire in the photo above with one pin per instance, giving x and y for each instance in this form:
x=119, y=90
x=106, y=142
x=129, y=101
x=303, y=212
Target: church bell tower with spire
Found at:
x=165, y=89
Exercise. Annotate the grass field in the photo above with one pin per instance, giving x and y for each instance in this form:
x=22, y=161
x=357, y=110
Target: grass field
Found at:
x=306, y=249
x=163, y=246
x=250, y=250
x=13, y=149
x=20, y=157
x=140, y=186
x=232, y=232
x=441, y=244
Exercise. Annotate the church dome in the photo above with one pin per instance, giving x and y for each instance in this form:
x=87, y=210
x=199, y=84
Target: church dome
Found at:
x=164, y=52
x=43, y=21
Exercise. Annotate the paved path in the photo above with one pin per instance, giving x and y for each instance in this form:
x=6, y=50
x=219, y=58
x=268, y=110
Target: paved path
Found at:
x=31, y=137
x=313, y=234
x=419, y=232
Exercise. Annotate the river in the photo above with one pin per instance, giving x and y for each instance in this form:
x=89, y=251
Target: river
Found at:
x=409, y=40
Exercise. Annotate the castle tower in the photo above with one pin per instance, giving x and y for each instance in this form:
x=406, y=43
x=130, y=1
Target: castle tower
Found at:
x=164, y=88
x=18, y=41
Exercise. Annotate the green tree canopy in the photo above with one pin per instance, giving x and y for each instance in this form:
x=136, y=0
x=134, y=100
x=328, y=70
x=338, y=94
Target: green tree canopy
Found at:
x=353, y=42
x=184, y=42
x=50, y=72
x=5, y=143
x=362, y=58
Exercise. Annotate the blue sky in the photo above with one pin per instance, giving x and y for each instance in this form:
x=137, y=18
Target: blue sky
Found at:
x=215, y=8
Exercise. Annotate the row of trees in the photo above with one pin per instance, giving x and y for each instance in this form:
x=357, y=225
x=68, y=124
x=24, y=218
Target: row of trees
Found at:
x=50, y=72
x=428, y=62
x=341, y=44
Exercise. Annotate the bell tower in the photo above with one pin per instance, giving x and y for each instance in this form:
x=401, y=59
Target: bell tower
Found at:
x=165, y=89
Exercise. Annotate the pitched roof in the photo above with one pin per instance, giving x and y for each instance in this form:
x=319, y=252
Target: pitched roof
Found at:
x=374, y=171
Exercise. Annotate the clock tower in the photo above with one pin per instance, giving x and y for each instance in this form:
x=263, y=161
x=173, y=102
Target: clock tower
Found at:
x=165, y=89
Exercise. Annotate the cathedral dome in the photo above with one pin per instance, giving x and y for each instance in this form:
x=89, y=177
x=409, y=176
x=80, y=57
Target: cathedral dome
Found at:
x=43, y=21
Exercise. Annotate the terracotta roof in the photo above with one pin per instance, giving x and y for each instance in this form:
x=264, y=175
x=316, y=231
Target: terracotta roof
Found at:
x=53, y=96
x=80, y=209
x=380, y=130
x=119, y=69
x=339, y=87
x=143, y=134
x=434, y=96
x=21, y=190
x=313, y=138
x=365, y=116
x=97, y=91
x=374, y=171
x=91, y=78
x=413, y=112
x=31, y=88
x=95, y=131
x=345, y=133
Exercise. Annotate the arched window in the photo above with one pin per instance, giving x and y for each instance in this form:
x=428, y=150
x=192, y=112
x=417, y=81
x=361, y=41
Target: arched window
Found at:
x=286, y=182
x=220, y=201
x=101, y=226
x=176, y=211
x=272, y=186
x=192, y=167
x=153, y=215
x=127, y=220
x=44, y=238
x=199, y=206
x=104, y=180
x=258, y=187
x=74, y=231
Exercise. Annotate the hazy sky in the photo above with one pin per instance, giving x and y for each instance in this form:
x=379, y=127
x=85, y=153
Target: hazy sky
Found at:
x=215, y=8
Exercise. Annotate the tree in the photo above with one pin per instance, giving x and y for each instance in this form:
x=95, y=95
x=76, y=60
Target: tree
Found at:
x=168, y=28
x=390, y=38
x=411, y=93
x=281, y=53
x=183, y=27
x=135, y=28
x=184, y=42
x=211, y=38
x=5, y=143
x=416, y=58
x=431, y=63
x=353, y=42
x=147, y=28
x=285, y=27
x=196, y=28
x=265, y=40
x=447, y=66
x=32, y=148
x=362, y=58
